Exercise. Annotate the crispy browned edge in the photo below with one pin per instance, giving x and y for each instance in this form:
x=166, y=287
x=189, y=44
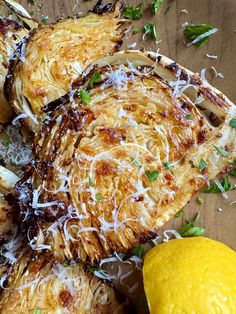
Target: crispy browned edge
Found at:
x=6, y=25
x=99, y=9
x=172, y=67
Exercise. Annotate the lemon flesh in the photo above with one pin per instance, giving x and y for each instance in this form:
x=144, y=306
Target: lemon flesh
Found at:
x=190, y=276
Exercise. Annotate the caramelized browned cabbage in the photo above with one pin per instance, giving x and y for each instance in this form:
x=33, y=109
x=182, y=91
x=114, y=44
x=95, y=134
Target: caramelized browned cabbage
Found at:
x=48, y=61
x=117, y=161
x=42, y=285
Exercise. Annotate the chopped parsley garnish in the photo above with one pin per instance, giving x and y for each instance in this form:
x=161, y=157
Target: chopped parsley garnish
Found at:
x=6, y=142
x=133, y=13
x=94, y=79
x=189, y=116
x=37, y=311
x=135, y=30
x=233, y=172
x=45, y=19
x=226, y=184
x=139, y=251
x=192, y=163
x=190, y=229
x=31, y=1
x=168, y=165
x=232, y=123
x=2, y=259
x=152, y=175
x=155, y=6
x=91, y=182
x=150, y=30
x=202, y=165
x=98, y=197
x=221, y=151
x=200, y=200
x=180, y=213
x=92, y=269
x=84, y=95
x=120, y=255
x=193, y=31
x=142, y=302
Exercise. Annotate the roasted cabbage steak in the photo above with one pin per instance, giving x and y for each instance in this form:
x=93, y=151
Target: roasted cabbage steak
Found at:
x=42, y=285
x=52, y=56
x=117, y=160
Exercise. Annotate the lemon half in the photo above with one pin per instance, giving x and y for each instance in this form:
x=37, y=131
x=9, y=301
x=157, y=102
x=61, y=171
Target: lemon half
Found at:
x=190, y=276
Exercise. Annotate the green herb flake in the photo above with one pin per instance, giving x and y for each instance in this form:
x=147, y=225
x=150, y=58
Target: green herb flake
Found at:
x=226, y=184
x=45, y=19
x=180, y=213
x=31, y=13
x=142, y=302
x=221, y=151
x=98, y=197
x=189, y=117
x=136, y=163
x=133, y=13
x=193, y=31
x=96, y=78
x=121, y=255
x=6, y=142
x=84, y=95
x=31, y=1
x=92, y=269
x=135, y=30
x=191, y=163
x=232, y=123
x=155, y=6
x=37, y=311
x=190, y=229
x=91, y=182
x=150, y=30
x=168, y=165
x=152, y=175
x=139, y=251
x=233, y=172
x=202, y=165
x=200, y=200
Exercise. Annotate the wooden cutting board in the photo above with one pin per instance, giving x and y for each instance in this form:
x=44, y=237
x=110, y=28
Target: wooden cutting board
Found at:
x=219, y=224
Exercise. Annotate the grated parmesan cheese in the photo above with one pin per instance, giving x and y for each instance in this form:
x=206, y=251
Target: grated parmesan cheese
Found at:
x=211, y=56
x=14, y=150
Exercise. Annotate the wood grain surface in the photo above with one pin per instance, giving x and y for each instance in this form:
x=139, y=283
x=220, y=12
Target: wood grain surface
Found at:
x=219, y=225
